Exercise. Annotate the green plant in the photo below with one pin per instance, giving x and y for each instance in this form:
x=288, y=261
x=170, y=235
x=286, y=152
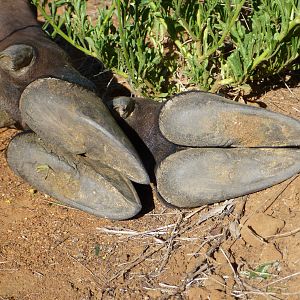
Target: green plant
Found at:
x=166, y=46
x=261, y=272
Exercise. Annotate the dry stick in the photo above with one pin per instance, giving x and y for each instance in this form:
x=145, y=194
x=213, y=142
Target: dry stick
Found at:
x=255, y=291
x=281, y=235
x=136, y=262
x=170, y=243
x=257, y=236
x=201, y=267
x=273, y=201
x=236, y=277
x=281, y=279
x=288, y=184
x=266, y=294
x=286, y=85
x=140, y=259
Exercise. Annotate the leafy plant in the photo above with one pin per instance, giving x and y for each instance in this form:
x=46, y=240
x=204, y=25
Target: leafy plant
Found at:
x=166, y=46
x=261, y=272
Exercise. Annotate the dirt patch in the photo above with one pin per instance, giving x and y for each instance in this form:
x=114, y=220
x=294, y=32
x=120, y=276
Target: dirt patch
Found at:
x=246, y=248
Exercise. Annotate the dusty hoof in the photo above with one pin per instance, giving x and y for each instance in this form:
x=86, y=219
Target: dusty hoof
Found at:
x=195, y=177
x=199, y=119
x=103, y=192
x=68, y=116
x=266, y=146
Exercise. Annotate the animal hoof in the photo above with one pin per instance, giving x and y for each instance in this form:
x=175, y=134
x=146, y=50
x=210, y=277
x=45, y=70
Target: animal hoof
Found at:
x=195, y=177
x=70, y=117
x=101, y=191
x=199, y=119
x=266, y=150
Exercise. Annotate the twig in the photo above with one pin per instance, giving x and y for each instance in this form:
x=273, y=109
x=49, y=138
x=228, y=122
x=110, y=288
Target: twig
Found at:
x=212, y=213
x=256, y=235
x=272, y=202
x=236, y=277
x=136, y=262
x=282, y=191
x=194, y=212
x=216, y=211
x=170, y=244
x=281, y=279
x=168, y=286
x=281, y=235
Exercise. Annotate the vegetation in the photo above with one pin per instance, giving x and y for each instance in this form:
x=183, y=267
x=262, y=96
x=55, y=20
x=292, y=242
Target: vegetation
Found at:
x=166, y=46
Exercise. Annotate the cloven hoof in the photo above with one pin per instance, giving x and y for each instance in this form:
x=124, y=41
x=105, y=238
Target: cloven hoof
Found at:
x=212, y=149
x=75, y=119
x=75, y=181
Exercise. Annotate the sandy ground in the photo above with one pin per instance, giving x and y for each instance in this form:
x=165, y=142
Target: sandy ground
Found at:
x=245, y=248
x=248, y=248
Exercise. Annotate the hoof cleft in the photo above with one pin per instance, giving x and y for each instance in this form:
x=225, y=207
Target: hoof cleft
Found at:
x=75, y=119
x=101, y=191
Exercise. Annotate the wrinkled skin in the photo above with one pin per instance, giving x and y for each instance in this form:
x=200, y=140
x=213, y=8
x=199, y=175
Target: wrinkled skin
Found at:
x=41, y=57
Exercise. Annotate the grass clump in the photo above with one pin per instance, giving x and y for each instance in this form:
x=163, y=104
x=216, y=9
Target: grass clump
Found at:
x=167, y=46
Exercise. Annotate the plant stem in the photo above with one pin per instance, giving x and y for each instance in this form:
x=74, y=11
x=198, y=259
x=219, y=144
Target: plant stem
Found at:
x=73, y=43
x=225, y=33
x=265, y=55
x=123, y=41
